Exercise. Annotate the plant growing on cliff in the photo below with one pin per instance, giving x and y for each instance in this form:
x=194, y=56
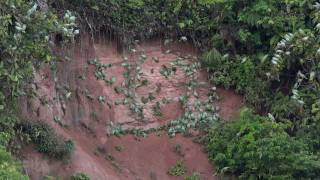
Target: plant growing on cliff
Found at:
x=157, y=109
x=46, y=140
x=26, y=33
x=178, y=169
x=115, y=130
x=25, y=37
x=80, y=176
x=9, y=168
x=194, y=176
x=260, y=148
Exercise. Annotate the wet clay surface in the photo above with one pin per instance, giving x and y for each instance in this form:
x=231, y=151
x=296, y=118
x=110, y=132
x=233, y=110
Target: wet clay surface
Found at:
x=79, y=108
x=229, y=104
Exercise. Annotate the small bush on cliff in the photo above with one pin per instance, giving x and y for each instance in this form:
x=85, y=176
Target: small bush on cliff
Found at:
x=259, y=148
x=178, y=169
x=47, y=141
x=80, y=176
x=9, y=168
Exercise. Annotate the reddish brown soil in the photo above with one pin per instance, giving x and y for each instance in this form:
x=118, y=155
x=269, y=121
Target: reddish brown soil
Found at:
x=154, y=155
x=148, y=158
x=143, y=158
x=229, y=104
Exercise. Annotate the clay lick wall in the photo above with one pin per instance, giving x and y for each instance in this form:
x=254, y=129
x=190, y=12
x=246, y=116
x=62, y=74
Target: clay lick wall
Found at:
x=68, y=93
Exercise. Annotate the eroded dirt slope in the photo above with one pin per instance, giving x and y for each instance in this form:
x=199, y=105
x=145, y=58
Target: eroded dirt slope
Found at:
x=80, y=106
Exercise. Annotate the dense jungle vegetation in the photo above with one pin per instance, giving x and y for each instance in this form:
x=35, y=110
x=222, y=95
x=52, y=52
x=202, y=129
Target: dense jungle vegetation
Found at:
x=266, y=50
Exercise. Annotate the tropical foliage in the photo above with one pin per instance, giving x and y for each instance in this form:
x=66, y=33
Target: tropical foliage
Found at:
x=259, y=148
x=46, y=139
x=9, y=167
x=25, y=36
x=26, y=33
x=267, y=50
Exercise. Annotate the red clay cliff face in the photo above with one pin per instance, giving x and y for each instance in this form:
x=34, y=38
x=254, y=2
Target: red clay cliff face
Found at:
x=87, y=119
x=229, y=104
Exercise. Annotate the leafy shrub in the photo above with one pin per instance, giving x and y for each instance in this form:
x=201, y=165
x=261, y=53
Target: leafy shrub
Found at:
x=7, y=124
x=249, y=32
x=178, y=169
x=80, y=176
x=219, y=66
x=51, y=178
x=46, y=139
x=194, y=176
x=285, y=109
x=257, y=148
x=9, y=168
x=240, y=73
x=25, y=36
x=308, y=126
